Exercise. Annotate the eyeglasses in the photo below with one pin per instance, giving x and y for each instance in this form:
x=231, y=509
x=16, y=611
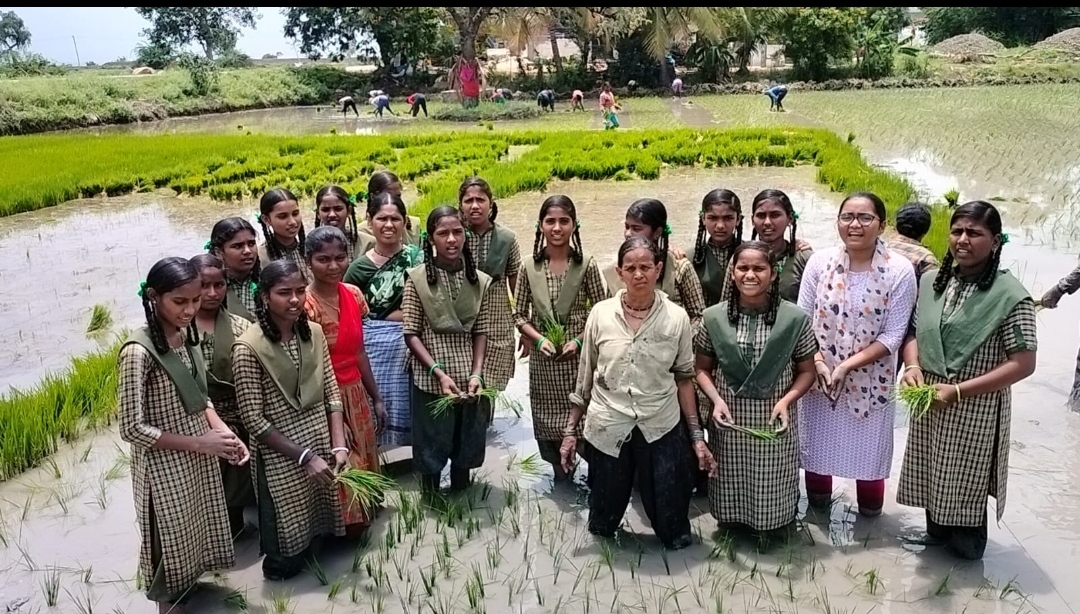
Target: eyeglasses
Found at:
x=865, y=219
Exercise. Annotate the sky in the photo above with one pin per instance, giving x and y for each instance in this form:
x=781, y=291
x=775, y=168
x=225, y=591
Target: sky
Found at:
x=105, y=34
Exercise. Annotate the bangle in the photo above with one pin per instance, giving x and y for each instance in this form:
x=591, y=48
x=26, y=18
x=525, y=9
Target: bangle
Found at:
x=570, y=431
x=910, y=367
x=434, y=365
x=697, y=435
x=578, y=342
x=336, y=450
x=479, y=377
x=540, y=342
x=958, y=395
x=817, y=360
x=303, y=455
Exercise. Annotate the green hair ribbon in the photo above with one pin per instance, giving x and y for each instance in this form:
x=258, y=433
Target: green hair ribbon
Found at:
x=254, y=288
x=577, y=225
x=536, y=224
x=1004, y=238
x=142, y=288
x=352, y=198
x=795, y=215
x=423, y=236
x=207, y=245
x=667, y=229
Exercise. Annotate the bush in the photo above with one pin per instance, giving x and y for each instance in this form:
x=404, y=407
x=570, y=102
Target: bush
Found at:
x=203, y=73
x=154, y=56
x=488, y=111
x=233, y=59
x=916, y=67
x=15, y=64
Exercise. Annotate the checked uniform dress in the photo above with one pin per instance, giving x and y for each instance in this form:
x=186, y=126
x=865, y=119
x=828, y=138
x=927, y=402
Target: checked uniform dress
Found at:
x=957, y=456
x=500, y=358
x=293, y=509
x=758, y=481
x=179, y=500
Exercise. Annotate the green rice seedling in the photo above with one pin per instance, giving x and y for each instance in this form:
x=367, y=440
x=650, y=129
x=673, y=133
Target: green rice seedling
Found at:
x=118, y=469
x=530, y=466
x=367, y=488
x=354, y=595
x=427, y=578
x=317, y=570
x=872, y=581
x=26, y=559
x=87, y=573
x=917, y=399
x=986, y=587
x=281, y=602
x=84, y=604
x=100, y=320
x=942, y=587
x=50, y=586
x=85, y=453
x=101, y=494
x=1011, y=588
x=236, y=600
x=53, y=467
x=555, y=332
x=335, y=588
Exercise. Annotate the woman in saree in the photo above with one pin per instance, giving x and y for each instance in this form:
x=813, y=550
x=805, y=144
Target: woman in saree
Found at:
x=379, y=273
x=379, y=182
x=974, y=339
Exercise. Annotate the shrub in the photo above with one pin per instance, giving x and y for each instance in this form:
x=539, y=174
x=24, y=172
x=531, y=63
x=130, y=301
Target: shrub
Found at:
x=488, y=111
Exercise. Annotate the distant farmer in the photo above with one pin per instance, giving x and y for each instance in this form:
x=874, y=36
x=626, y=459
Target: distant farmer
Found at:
x=608, y=107
x=776, y=94
x=417, y=101
x=380, y=102
x=347, y=103
x=577, y=101
x=912, y=223
x=500, y=95
x=546, y=100
x=1050, y=299
x=677, y=87
x=631, y=85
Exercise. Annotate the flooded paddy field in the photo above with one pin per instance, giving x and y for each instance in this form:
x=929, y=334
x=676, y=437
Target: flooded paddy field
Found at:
x=514, y=543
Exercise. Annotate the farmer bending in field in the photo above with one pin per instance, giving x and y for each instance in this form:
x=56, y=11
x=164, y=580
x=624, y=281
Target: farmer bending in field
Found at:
x=677, y=87
x=577, y=101
x=380, y=102
x=1068, y=285
x=417, y=101
x=546, y=100
x=347, y=103
x=776, y=95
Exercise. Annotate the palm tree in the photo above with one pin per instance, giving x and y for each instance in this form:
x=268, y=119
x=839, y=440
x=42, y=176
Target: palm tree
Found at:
x=666, y=27
x=749, y=28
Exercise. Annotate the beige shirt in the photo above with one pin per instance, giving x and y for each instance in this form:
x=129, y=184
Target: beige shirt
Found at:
x=627, y=379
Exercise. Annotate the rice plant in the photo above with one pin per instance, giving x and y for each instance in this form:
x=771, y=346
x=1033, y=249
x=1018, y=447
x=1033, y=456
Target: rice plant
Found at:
x=84, y=603
x=100, y=320
x=317, y=570
x=118, y=469
x=236, y=600
x=50, y=586
x=366, y=488
x=917, y=399
x=281, y=602
x=555, y=332
x=531, y=465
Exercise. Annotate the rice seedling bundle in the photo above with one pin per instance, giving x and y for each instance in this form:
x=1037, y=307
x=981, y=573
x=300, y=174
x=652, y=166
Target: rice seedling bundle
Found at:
x=367, y=488
x=763, y=434
x=917, y=399
x=554, y=332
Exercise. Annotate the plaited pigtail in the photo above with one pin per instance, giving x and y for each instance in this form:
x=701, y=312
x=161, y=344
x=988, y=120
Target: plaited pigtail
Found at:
x=738, y=232
x=157, y=335
x=256, y=270
x=944, y=274
x=470, y=265
x=265, y=322
x=791, y=241
x=494, y=212
x=991, y=272
x=577, y=251
x=699, y=242
x=753, y=234
x=429, y=263
x=538, y=246
x=303, y=327
x=272, y=248
x=733, y=304
x=774, y=301
x=192, y=335
x=353, y=230
x=662, y=243
x=301, y=237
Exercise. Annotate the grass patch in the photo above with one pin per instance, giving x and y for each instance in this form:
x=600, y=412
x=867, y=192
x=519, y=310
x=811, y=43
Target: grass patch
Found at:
x=487, y=111
x=60, y=408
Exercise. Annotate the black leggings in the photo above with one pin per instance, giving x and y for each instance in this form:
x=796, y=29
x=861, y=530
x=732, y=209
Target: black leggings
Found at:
x=349, y=104
x=419, y=103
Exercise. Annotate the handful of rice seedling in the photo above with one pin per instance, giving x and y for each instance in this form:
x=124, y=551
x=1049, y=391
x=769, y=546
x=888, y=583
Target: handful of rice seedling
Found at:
x=766, y=435
x=445, y=403
x=917, y=399
x=367, y=488
x=555, y=332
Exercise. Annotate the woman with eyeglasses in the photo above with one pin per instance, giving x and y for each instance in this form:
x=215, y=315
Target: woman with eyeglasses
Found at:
x=860, y=297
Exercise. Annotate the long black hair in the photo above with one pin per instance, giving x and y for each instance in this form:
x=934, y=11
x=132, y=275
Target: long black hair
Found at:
x=210, y=261
x=379, y=182
x=339, y=193
x=980, y=212
x=436, y=215
x=477, y=182
x=271, y=275
x=563, y=202
x=266, y=205
x=224, y=231
x=780, y=199
x=774, y=287
x=653, y=214
x=638, y=242
x=167, y=275
x=717, y=198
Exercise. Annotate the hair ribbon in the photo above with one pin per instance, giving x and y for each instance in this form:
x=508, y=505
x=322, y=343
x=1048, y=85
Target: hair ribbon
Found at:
x=667, y=229
x=207, y=245
x=1004, y=238
x=795, y=215
x=142, y=288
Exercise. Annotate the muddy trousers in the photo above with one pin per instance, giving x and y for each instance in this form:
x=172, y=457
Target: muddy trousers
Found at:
x=968, y=543
x=664, y=481
x=458, y=436
x=870, y=493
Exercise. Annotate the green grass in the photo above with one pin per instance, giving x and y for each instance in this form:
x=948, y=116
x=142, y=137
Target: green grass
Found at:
x=44, y=170
x=60, y=408
x=487, y=111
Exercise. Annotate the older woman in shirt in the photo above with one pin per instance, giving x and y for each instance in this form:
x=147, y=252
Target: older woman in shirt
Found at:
x=635, y=377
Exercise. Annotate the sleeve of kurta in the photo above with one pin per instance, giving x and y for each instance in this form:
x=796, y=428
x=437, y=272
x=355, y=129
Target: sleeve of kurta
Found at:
x=331, y=393
x=1071, y=282
x=412, y=311
x=247, y=377
x=135, y=367
x=1018, y=331
x=485, y=318
x=807, y=345
x=595, y=289
x=513, y=260
x=683, y=368
x=809, y=283
x=690, y=289
x=703, y=342
x=522, y=300
x=901, y=303
x=582, y=393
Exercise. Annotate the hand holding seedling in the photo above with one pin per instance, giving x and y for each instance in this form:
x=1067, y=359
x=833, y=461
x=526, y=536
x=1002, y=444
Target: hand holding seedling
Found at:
x=381, y=417
x=705, y=459
x=341, y=460
x=1050, y=299
x=721, y=413
x=448, y=387
x=913, y=376
x=781, y=412
x=317, y=469
x=475, y=386
x=569, y=351
x=547, y=348
x=946, y=396
x=220, y=443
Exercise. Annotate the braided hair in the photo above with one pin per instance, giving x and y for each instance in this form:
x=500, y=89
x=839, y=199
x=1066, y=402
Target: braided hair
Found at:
x=653, y=214
x=266, y=206
x=985, y=214
x=385, y=181
x=778, y=198
x=167, y=275
x=351, y=229
x=436, y=216
x=774, y=287
x=224, y=231
x=272, y=275
x=210, y=261
x=717, y=198
x=477, y=182
x=558, y=201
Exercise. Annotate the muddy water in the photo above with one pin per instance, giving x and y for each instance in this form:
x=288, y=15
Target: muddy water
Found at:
x=549, y=562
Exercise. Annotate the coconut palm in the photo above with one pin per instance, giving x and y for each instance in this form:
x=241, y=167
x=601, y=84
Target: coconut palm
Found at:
x=748, y=28
x=667, y=27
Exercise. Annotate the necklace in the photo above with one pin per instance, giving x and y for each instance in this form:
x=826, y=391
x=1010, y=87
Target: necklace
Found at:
x=382, y=255
x=326, y=302
x=645, y=310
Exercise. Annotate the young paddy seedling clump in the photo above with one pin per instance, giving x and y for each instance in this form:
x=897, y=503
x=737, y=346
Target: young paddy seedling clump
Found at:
x=236, y=600
x=917, y=399
x=367, y=488
x=100, y=320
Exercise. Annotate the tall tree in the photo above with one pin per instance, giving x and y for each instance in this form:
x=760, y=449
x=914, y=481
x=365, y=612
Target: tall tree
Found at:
x=668, y=26
x=814, y=37
x=13, y=32
x=215, y=29
x=340, y=31
x=468, y=20
x=751, y=27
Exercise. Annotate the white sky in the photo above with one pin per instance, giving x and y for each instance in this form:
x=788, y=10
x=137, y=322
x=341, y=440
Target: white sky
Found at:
x=105, y=34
